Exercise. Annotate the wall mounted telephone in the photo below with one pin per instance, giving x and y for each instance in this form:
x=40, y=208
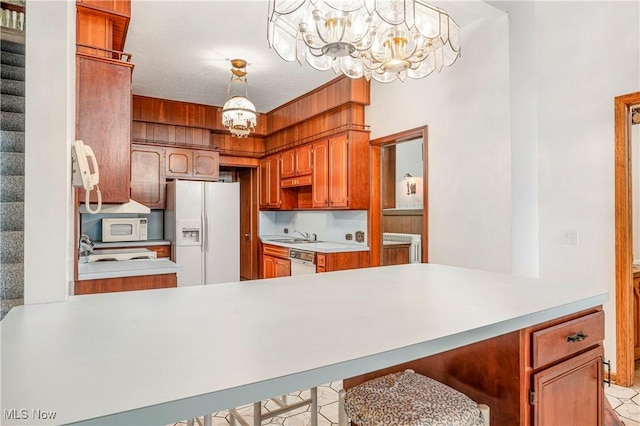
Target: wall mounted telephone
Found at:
x=82, y=177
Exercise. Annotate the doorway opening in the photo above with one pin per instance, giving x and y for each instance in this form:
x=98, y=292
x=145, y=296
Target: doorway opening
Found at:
x=626, y=319
x=399, y=191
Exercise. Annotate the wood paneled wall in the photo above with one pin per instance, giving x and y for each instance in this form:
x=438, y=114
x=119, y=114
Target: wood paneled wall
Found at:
x=334, y=107
x=340, y=91
x=402, y=221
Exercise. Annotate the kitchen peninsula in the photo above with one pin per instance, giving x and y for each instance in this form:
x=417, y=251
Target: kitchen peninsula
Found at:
x=125, y=358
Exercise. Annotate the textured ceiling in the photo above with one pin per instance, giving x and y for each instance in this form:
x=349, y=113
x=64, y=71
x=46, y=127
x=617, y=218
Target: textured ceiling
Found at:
x=181, y=51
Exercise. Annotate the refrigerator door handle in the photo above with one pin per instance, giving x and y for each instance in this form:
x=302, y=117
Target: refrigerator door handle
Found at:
x=205, y=233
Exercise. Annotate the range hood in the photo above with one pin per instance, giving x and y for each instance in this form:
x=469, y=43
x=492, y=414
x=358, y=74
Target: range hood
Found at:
x=130, y=207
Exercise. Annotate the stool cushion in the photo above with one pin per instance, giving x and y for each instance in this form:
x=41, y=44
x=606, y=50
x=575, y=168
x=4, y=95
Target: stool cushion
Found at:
x=409, y=399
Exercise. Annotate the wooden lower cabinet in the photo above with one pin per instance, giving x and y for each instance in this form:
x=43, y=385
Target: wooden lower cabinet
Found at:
x=570, y=393
x=328, y=262
x=110, y=285
x=540, y=375
x=275, y=261
x=274, y=267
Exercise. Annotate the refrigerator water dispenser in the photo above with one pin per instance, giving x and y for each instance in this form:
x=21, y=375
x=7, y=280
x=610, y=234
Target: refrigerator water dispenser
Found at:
x=189, y=234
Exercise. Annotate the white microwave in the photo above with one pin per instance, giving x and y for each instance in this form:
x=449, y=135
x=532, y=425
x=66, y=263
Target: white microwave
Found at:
x=125, y=229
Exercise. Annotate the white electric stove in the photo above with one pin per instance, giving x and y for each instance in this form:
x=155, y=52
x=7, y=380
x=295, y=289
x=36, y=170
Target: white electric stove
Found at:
x=121, y=254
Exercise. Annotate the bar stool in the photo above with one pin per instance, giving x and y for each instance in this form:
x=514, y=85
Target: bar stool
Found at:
x=259, y=416
x=408, y=399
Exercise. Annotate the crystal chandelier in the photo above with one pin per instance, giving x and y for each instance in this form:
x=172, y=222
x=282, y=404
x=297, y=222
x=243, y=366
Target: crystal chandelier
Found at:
x=380, y=39
x=238, y=113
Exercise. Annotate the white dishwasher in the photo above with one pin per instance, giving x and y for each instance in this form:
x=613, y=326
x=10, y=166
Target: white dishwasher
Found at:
x=302, y=262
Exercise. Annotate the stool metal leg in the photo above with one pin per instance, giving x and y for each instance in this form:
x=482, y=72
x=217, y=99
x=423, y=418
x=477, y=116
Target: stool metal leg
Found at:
x=314, y=406
x=342, y=414
x=257, y=413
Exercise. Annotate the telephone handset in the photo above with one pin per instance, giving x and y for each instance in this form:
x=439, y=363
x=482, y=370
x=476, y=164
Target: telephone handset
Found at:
x=81, y=174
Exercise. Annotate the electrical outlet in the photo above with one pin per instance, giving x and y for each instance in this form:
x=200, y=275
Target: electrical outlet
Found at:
x=569, y=236
x=286, y=230
x=348, y=237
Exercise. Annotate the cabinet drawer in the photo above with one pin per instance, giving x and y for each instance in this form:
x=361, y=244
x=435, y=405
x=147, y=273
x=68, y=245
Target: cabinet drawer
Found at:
x=276, y=251
x=321, y=260
x=299, y=181
x=562, y=340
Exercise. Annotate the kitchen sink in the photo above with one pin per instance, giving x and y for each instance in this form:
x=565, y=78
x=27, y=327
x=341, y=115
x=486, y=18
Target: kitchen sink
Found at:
x=292, y=241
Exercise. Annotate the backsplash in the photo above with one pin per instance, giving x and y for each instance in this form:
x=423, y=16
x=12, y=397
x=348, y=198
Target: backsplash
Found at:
x=91, y=224
x=327, y=225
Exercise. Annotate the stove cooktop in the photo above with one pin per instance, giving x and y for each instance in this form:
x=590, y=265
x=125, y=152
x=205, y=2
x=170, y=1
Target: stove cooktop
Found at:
x=121, y=254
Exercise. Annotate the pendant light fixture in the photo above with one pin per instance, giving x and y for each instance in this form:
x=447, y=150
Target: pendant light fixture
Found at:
x=238, y=113
x=380, y=39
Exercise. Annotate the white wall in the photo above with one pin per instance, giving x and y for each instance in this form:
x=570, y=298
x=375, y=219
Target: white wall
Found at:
x=50, y=130
x=466, y=108
x=579, y=72
x=409, y=160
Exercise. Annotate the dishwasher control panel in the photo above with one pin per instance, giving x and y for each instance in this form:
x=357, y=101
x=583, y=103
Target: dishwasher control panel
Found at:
x=306, y=256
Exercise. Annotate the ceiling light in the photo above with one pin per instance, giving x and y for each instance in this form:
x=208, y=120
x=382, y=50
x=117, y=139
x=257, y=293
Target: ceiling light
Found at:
x=379, y=39
x=238, y=113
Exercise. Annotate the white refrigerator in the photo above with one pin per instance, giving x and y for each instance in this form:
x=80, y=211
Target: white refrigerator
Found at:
x=202, y=221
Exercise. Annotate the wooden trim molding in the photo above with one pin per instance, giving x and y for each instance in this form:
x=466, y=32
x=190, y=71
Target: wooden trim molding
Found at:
x=624, y=244
x=376, y=211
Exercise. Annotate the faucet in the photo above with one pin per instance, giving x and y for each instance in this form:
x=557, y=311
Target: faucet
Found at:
x=86, y=246
x=304, y=234
x=307, y=236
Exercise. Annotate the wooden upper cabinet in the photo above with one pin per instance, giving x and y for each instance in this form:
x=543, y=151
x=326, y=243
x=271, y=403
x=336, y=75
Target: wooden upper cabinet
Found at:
x=206, y=165
x=269, y=185
x=288, y=164
x=320, y=176
x=338, y=171
x=304, y=160
x=103, y=121
x=297, y=161
x=122, y=7
x=148, y=176
x=102, y=24
x=179, y=163
x=184, y=163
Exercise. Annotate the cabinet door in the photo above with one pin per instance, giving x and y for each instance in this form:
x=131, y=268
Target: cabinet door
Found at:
x=288, y=164
x=570, y=393
x=103, y=122
x=304, y=160
x=320, y=176
x=206, y=165
x=283, y=268
x=263, y=184
x=338, y=171
x=147, y=176
x=274, y=182
x=269, y=266
x=179, y=163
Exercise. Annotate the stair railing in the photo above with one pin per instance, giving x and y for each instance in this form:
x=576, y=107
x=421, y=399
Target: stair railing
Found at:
x=12, y=16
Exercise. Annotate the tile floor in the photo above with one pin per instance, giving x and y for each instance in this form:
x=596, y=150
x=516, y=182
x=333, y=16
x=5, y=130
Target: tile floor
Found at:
x=625, y=401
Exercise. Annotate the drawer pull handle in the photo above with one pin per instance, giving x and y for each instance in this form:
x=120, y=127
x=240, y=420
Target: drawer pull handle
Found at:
x=578, y=337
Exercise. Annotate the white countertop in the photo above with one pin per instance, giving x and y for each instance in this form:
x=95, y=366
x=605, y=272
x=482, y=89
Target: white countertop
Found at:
x=126, y=268
x=147, y=243
x=159, y=356
x=318, y=247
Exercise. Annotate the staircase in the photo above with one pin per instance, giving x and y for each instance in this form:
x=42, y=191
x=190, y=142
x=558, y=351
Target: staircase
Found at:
x=12, y=173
